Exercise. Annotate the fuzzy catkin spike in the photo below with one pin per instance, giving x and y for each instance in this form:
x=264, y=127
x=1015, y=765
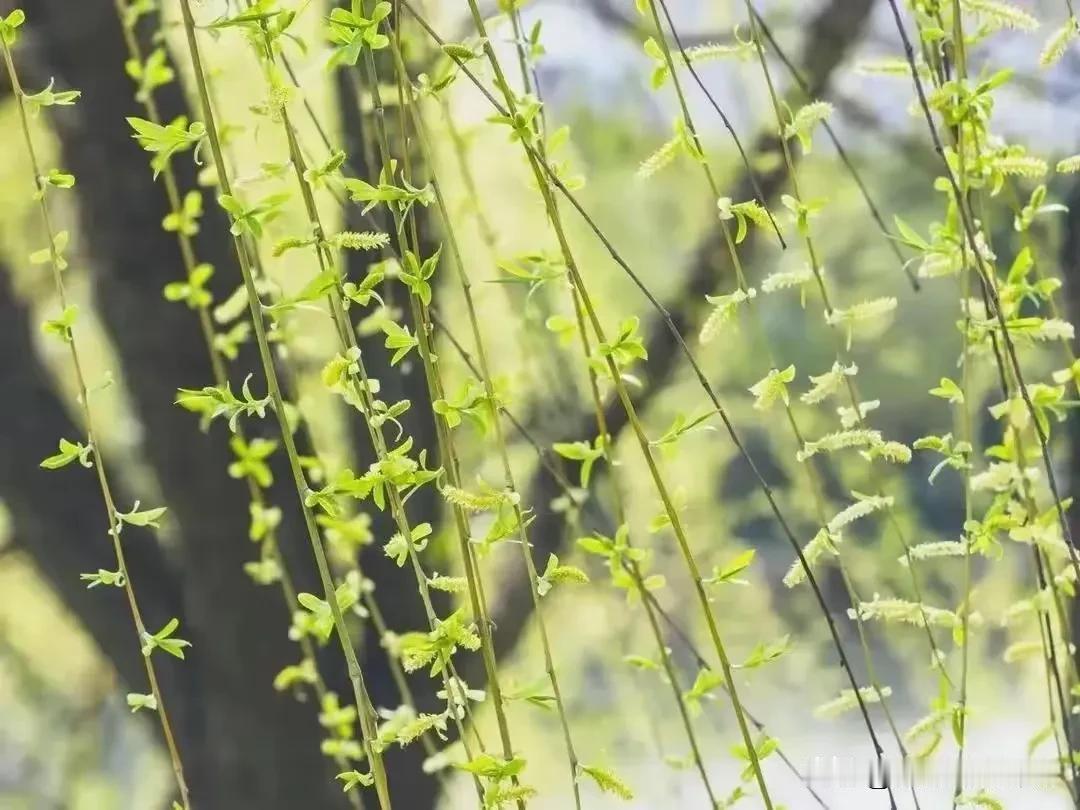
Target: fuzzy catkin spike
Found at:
x=828, y=383
x=930, y=551
x=608, y=781
x=905, y=612
x=863, y=506
x=889, y=67
x=784, y=280
x=660, y=159
x=980, y=799
x=896, y=452
x=474, y=501
x=847, y=701
x=840, y=440
x=822, y=543
x=1068, y=165
x=1021, y=166
x=1058, y=43
x=772, y=387
x=712, y=51
x=364, y=240
x=875, y=311
x=1002, y=15
x=724, y=309
x=805, y=120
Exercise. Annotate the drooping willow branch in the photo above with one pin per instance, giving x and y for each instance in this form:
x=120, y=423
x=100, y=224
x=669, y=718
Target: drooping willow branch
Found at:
x=753, y=314
x=803, y=216
x=985, y=280
x=841, y=150
x=1008, y=367
x=200, y=301
x=541, y=172
x=90, y=454
x=364, y=708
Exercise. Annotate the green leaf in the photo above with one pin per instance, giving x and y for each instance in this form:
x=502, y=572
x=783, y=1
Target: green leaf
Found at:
x=804, y=122
x=771, y=387
x=764, y=653
x=401, y=198
x=163, y=640
x=705, y=683
x=1038, y=738
x=165, y=140
x=319, y=618
x=537, y=693
x=9, y=26
x=555, y=574
x=55, y=253
x=352, y=779
x=762, y=749
x=493, y=767
x=910, y=237
x=193, y=292
x=399, y=339
x=294, y=675
x=59, y=179
x=50, y=98
x=212, y=402
x=584, y=452
x=103, y=577
x=146, y=517
x=730, y=571
x=138, y=701
x=69, y=452
x=250, y=219
x=351, y=33
x=949, y=391
x=155, y=72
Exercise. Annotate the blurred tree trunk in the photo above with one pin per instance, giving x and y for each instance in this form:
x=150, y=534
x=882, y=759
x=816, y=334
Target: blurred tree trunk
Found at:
x=395, y=590
x=244, y=745
x=57, y=516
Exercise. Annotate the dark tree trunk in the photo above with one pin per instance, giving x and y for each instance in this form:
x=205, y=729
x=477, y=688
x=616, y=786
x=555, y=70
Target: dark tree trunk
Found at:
x=58, y=516
x=395, y=590
x=245, y=745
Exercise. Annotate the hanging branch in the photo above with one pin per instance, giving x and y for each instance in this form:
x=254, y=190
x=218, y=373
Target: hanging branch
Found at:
x=364, y=708
x=90, y=453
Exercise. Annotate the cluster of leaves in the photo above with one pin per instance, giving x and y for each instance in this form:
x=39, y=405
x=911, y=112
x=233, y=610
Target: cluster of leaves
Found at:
x=1011, y=478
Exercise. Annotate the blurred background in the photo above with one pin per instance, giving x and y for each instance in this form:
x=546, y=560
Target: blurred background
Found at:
x=67, y=738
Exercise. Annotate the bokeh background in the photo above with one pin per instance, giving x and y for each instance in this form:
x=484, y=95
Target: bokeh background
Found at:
x=67, y=739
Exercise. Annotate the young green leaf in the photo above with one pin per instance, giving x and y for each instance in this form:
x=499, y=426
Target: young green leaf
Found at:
x=163, y=640
x=69, y=452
